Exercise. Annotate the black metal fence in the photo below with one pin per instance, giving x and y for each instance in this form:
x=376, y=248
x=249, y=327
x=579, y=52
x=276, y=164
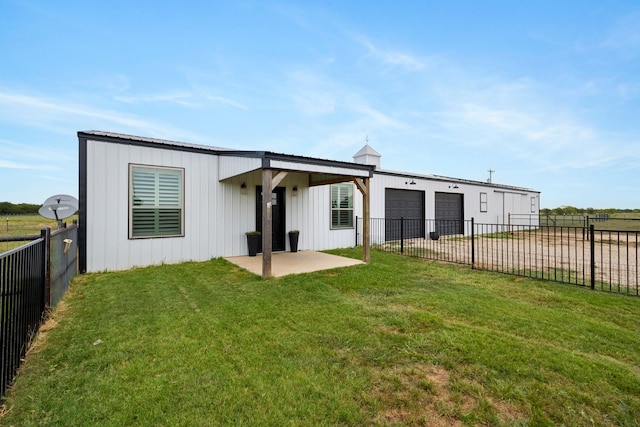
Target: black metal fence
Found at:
x=63, y=249
x=33, y=277
x=607, y=260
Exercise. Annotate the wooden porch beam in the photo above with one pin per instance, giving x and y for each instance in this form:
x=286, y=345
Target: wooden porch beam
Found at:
x=360, y=184
x=279, y=177
x=330, y=181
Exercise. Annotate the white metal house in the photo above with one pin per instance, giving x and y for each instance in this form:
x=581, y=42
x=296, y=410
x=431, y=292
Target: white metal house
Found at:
x=146, y=201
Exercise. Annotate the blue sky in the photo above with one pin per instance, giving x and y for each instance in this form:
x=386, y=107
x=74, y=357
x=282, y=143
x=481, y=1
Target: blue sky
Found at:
x=546, y=93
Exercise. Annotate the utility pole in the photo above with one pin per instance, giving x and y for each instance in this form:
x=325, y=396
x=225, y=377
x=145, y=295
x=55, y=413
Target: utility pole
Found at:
x=490, y=175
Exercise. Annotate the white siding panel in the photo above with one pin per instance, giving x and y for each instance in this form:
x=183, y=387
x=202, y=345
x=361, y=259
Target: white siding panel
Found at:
x=517, y=202
x=230, y=166
x=108, y=245
x=217, y=215
x=322, y=237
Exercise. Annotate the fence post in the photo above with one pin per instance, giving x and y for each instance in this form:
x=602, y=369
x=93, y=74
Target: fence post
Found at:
x=586, y=226
x=592, y=245
x=473, y=246
x=45, y=233
x=401, y=234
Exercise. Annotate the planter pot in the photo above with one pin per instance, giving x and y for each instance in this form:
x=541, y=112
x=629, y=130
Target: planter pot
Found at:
x=293, y=241
x=434, y=235
x=253, y=241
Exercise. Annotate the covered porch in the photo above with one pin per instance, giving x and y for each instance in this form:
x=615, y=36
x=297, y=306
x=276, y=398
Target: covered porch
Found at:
x=272, y=169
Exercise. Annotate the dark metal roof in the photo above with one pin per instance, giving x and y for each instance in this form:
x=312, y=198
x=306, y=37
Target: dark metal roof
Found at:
x=102, y=135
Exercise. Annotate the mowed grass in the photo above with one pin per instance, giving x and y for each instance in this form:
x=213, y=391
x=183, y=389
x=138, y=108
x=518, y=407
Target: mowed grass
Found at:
x=621, y=221
x=401, y=341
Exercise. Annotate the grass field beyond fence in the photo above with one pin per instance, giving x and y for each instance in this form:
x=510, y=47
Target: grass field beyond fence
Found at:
x=22, y=225
x=401, y=341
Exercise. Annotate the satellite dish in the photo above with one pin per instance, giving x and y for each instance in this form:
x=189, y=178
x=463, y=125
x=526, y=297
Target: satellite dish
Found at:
x=59, y=207
x=62, y=199
x=57, y=212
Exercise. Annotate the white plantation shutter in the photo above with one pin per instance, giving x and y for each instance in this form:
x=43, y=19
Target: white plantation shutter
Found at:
x=342, y=206
x=156, y=205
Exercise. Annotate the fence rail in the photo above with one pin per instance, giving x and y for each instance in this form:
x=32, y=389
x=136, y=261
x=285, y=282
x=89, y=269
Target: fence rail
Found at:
x=602, y=221
x=33, y=277
x=607, y=260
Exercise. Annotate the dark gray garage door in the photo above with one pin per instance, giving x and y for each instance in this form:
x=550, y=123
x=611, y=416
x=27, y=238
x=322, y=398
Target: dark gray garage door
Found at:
x=406, y=204
x=449, y=214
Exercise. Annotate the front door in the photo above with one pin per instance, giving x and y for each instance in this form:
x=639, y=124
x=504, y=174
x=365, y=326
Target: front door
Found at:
x=277, y=218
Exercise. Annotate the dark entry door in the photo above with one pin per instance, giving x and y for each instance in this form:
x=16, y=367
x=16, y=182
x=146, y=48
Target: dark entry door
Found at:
x=277, y=218
x=449, y=213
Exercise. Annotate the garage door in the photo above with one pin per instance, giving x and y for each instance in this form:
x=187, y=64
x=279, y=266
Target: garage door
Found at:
x=408, y=205
x=449, y=214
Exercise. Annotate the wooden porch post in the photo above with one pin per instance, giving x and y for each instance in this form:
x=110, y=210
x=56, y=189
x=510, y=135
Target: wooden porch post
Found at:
x=363, y=185
x=267, y=182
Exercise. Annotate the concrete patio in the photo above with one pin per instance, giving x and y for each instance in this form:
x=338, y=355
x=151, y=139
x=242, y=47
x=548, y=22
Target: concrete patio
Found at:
x=284, y=263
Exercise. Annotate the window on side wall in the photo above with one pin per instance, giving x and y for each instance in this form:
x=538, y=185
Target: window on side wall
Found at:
x=483, y=202
x=156, y=207
x=341, y=206
x=534, y=204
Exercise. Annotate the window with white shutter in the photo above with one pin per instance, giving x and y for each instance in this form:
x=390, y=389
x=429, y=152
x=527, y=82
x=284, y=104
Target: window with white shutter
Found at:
x=156, y=206
x=342, y=206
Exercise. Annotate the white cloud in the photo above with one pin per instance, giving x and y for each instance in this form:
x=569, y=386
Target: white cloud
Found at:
x=9, y=164
x=15, y=150
x=180, y=98
x=527, y=121
x=226, y=101
x=389, y=57
x=625, y=36
x=62, y=116
x=314, y=103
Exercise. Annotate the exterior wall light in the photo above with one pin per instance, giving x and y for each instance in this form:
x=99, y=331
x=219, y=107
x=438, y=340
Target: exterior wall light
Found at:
x=243, y=188
x=294, y=191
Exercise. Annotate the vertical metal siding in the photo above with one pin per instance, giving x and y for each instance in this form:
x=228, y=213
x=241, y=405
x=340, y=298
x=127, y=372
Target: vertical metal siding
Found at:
x=217, y=215
x=108, y=245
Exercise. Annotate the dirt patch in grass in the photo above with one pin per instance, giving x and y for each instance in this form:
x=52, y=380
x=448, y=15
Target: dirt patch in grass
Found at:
x=50, y=322
x=429, y=395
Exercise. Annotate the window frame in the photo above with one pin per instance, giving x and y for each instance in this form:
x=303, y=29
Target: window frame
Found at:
x=534, y=204
x=340, y=209
x=157, y=170
x=484, y=203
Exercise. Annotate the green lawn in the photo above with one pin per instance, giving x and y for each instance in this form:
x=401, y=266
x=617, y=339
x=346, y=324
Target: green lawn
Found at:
x=401, y=341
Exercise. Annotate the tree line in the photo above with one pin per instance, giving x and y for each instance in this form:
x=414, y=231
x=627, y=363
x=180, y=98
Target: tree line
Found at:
x=571, y=210
x=8, y=208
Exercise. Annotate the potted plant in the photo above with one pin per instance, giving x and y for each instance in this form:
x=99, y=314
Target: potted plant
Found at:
x=253, y=241
x=293, y=240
